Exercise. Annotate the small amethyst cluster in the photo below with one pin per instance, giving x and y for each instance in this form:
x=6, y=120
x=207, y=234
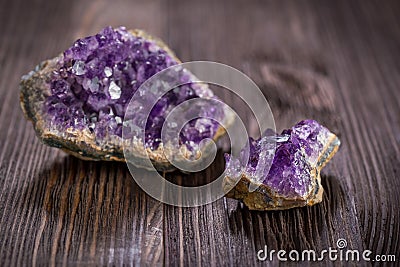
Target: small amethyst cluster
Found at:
x=99, y=75
x=297, y=152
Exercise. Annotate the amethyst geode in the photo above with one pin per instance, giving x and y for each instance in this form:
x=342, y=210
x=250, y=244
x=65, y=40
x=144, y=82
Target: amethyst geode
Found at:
x=78, y=100
x=293, y=179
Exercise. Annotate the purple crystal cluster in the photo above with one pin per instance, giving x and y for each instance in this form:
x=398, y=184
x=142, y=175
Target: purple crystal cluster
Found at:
x=99, y=75
x=297, y=152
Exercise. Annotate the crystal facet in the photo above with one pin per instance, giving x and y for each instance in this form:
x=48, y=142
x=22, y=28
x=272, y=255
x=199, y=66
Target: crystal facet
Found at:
x=293, y=179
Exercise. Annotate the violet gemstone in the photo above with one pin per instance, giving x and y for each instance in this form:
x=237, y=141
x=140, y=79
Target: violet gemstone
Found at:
x=293, y=179
x=78, y=100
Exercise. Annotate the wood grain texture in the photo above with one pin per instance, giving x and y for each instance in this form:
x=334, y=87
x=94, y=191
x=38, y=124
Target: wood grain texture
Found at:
x=337, y=62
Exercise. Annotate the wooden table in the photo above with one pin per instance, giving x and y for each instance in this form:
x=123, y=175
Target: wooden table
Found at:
x=337, y=62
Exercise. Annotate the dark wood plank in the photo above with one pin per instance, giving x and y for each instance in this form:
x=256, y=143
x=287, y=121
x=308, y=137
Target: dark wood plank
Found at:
x=337, y=62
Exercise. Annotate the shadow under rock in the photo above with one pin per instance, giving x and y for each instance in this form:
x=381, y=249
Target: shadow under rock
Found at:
x=69, y=181
x=200, y=178
x=298, y=228
x=57, y=188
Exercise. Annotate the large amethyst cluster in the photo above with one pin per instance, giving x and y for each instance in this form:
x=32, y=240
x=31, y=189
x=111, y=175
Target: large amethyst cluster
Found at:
x=78, y=100
x=97, y=78
x=292, y=179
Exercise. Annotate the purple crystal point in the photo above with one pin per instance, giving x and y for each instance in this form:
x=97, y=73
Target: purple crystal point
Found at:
x=293, y=178
x=78, y=100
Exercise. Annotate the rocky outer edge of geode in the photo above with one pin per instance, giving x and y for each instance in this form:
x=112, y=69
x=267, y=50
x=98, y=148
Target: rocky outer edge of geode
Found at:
x=264, y=197
x=34, y=88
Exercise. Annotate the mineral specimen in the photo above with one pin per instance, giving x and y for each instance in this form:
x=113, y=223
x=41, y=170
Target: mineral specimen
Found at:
x=293, y=179
x=78, y=100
